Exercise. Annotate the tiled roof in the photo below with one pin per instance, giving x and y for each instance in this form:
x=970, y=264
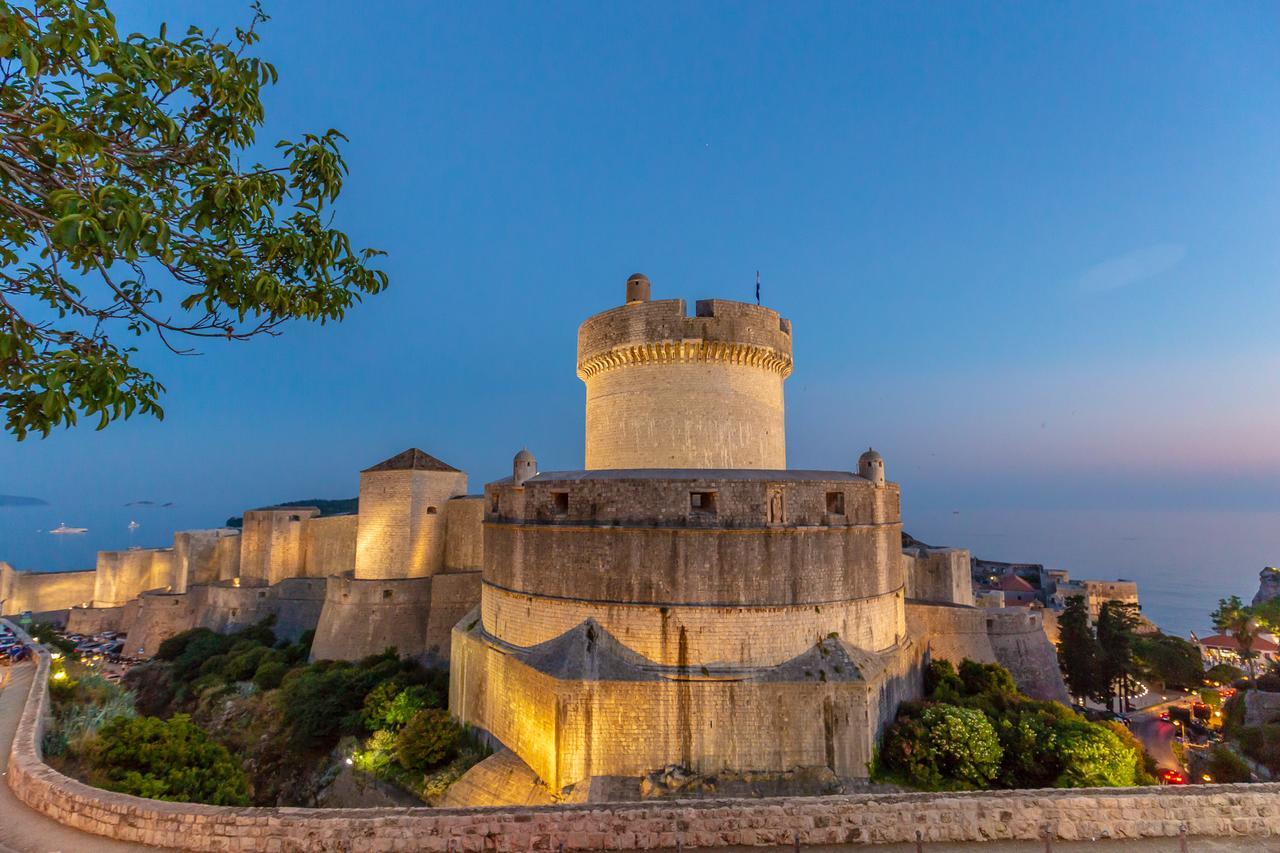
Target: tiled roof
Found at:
x=412, y=459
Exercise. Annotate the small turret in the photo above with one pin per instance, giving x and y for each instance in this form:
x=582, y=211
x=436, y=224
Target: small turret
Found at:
x=523, y=467
x=871, y=467
x=638, y=288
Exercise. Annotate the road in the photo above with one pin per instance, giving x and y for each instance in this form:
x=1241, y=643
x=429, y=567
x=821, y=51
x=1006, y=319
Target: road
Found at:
x=21, y=829
x=1156, y=735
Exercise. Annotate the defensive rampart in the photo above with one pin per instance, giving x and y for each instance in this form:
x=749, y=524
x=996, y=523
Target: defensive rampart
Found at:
x=43, y=591
x=1203, y=810
x=362, y=616
x=1022, y=647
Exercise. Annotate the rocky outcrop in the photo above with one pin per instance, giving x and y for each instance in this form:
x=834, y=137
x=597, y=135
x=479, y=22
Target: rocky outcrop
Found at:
x=1268, y=585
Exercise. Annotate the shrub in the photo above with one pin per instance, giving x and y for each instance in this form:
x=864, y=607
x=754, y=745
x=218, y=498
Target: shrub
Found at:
x=1233, y=714
x=172, y=648
x=62, y=687
x=1224, y=673
x=242, y=666
x=170, y=759
x=943, y=746
x=1093, y=756
x=1225, y=766
x=1262, y=744
x=941, y=681
x=429, y=739
x=269, y=675
x=988, y=678
x=390, y=705
x=376, y=756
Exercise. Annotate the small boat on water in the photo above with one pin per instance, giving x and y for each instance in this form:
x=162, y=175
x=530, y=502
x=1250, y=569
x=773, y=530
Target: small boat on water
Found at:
x=63, y=530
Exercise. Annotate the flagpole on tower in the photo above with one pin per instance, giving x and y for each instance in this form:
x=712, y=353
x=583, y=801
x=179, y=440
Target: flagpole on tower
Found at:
x=757, y=287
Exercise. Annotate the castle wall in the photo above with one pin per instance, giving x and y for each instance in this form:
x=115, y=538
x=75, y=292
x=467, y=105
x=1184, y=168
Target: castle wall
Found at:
x=272, y=543
x=939, y=574
x=665, y=390
x=700, y=635
x=361, y=617
x=294, y=602
x=1022, y=647
x=205, y=556
x=329, y=545
x=122, y=575
x=763, y=567
x=951, y=632
x=43, y=591
x=464, y=540
x=569, y=730
x=159, y=616
x=95, y=620
x=402, y=526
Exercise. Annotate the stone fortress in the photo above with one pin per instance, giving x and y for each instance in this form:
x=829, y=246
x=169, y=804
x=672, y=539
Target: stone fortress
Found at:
x=683, y=599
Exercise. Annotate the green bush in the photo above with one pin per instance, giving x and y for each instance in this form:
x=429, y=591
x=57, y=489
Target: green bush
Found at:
x=1224, y=673
x=1038, y=744
x=170, y=759
x=62, y=687
x=1094, y=756
x=242, y=666
x=269, y=675
x=1262, y=744
x=1233, y=714
x=390, y=705
x=988, y=678
x=429, y=739
x=1225, y=766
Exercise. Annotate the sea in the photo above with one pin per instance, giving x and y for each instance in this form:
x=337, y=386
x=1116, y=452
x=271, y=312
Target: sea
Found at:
x=1182, y=561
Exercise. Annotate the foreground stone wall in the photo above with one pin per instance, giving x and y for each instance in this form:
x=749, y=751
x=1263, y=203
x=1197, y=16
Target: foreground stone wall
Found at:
x=1202, y=810
x=43, y=591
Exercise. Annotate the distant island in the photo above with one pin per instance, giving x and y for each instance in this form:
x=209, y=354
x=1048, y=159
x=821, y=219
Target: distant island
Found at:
x=343, y=506
x=21, y=500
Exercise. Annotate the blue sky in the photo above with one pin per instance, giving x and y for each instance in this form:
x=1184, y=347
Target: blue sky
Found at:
x=1031, y=251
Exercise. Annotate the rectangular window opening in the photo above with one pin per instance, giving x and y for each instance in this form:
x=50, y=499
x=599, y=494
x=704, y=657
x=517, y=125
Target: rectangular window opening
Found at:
x=704, y=502
x=560, y=502
x=835, y=503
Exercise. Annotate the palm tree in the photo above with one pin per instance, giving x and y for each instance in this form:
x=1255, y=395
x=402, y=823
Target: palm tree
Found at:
x=1237, y=621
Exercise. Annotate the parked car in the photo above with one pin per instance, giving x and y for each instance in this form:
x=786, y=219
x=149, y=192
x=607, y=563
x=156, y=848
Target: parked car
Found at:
x=1171, y=777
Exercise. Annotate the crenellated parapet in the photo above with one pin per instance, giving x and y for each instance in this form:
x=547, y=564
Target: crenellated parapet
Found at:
x=668, y=390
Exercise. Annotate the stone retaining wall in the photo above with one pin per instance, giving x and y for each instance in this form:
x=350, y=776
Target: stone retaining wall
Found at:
x=1206, y=810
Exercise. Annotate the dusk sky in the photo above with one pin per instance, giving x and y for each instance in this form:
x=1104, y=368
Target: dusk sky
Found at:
x=1031, y=252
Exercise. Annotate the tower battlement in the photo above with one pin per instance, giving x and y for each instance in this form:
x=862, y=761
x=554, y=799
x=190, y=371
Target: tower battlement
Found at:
x=670, y=390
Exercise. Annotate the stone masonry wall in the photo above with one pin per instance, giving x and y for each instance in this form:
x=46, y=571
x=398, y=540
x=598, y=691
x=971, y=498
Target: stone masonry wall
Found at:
x=1201, y=810
x=122, y=575
x=43, y=591
x=1022, y=647
x=329, y=545
x=697, y=635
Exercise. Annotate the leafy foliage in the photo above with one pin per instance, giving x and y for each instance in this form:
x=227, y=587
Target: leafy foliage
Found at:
x=170, y=759
x=429, y=739
x=1037, y=744
x=1171, y=661
x=124, y=208
x=1078, y=650
x=1225, y=766
x=1238, y=621
x=1224, y=673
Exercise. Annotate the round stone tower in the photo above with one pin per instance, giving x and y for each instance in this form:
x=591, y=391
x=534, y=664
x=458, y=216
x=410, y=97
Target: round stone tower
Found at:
x=665, y=390
x=523, y=467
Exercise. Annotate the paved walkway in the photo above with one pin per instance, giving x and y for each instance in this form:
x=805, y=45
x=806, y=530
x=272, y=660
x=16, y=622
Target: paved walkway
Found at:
x=21, y=829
